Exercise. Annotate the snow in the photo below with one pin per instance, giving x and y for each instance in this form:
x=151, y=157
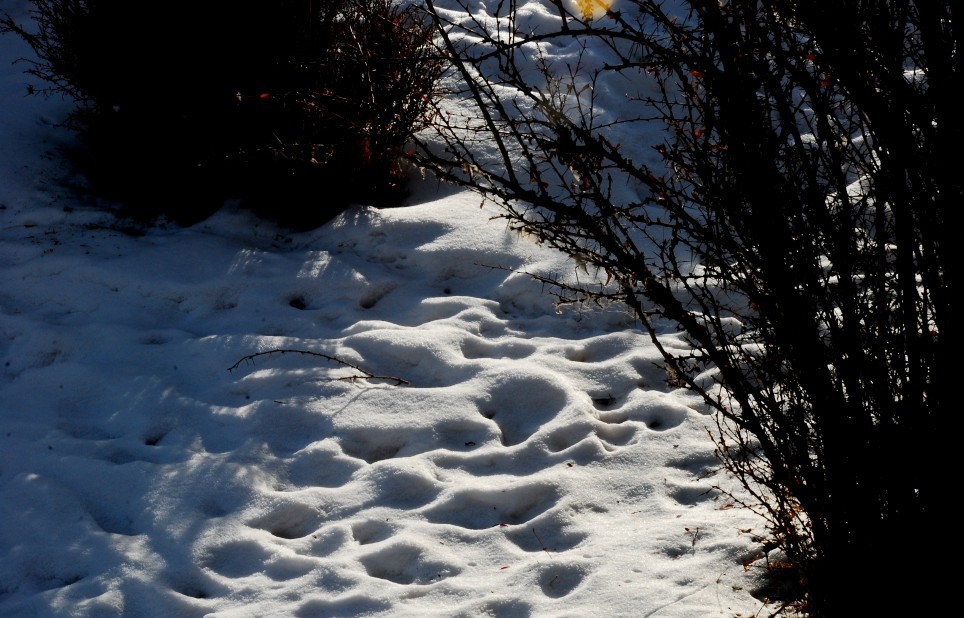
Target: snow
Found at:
x=161, y=456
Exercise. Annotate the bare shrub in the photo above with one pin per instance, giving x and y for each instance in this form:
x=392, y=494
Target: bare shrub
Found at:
x=297, y=107
x=792, y=220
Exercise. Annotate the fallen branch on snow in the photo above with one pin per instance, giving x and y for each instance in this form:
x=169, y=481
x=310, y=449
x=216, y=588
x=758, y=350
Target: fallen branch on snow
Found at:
x=367, y=375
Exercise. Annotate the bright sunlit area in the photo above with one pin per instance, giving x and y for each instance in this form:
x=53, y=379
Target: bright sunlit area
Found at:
x=408, y=405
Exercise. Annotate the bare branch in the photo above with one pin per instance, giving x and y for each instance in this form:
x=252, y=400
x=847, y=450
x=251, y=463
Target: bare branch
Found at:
x=366, y=375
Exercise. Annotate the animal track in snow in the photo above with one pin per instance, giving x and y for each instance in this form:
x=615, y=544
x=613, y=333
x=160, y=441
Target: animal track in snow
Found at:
x=401, y=485
x=371, y=531
x=347, y=606
x=567, y=436
x=290, y=521
x=699, y=463
x=690, y=495
x=617, y=435
x=375, y=293
x=282, y=568
x=479, y=509
x=236, y=558
x=653, y=409
x=521, y=404
x=407, y=563
x=476, y=347
x=506, y=608
x=377, y=444
x=373, y=445
x=559, y=580
x=663, y=417
x=321, y=464
x=328, y=540
x=549, y=532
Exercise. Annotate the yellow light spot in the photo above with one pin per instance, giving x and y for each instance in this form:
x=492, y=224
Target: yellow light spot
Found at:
x=592, y=9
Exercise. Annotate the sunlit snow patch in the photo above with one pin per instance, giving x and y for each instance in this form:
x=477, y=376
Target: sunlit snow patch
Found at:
x=591, y=9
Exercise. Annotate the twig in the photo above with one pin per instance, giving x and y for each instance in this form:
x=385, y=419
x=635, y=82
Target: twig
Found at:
x=544, y=548
x=367, y=374
x=694, y=535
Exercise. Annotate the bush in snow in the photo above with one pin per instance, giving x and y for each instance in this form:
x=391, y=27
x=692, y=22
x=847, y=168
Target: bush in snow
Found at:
x=295, y=106
x=793, y=221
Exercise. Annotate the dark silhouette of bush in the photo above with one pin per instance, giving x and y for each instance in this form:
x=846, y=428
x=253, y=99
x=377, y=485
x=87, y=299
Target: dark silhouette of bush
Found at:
x=296, y=107
x=794, y=224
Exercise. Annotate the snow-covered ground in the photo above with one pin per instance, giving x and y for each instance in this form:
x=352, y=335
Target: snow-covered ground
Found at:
x=510, y=458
